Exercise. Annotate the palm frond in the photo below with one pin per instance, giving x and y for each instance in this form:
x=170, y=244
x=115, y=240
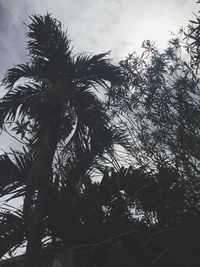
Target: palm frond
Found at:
x=19, y=71
x=13, y=174
x=38, y=71
x=121, y=137
x=12, y=231
x=95, y=70
x=47, y=40
x=19, y=102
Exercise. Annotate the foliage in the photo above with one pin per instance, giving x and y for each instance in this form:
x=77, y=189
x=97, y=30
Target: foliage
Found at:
x=161, y=110
x=146, y=214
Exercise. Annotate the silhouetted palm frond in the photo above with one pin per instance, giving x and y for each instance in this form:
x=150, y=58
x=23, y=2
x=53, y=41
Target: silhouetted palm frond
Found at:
x=12, y=231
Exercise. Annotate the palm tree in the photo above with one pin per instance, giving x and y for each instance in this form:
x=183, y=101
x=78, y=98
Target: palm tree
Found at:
x=54, y=93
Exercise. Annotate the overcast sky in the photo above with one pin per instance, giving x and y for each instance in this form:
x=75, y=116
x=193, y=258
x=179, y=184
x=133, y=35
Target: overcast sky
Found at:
x=93, y=25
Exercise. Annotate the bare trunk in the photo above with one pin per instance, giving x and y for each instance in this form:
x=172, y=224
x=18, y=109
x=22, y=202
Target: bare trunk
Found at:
x=41, y=171
x=37, y=184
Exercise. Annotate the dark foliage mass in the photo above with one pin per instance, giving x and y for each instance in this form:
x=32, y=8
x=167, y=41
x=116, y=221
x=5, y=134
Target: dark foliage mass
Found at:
x=108, y=179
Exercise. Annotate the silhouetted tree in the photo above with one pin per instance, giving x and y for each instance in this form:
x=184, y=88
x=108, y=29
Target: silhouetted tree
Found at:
x=53, y=94
x=161, y=110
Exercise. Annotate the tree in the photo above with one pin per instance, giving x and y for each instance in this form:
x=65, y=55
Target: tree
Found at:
x=53, y=96
x=161, y=110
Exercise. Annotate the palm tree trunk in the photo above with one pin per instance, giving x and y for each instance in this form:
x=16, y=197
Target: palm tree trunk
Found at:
x=37, y=185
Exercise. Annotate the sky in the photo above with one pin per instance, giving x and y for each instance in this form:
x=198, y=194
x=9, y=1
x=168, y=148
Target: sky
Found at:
x=94, y=26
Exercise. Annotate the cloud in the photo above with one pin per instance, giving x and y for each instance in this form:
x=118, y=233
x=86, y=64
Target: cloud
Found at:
x=93, y=26
x=12, y=44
